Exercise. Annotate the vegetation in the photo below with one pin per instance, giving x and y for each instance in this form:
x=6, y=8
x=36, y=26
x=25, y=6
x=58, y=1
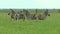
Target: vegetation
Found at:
x=51, y=25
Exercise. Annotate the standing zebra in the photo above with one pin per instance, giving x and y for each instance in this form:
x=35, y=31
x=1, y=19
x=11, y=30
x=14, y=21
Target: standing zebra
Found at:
x=12, y=14
x=28, y=15
x=16, y=16
x=20, y=15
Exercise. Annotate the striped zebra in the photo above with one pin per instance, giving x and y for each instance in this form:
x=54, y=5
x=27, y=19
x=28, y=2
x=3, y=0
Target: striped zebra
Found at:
x=28, y=15
x=19, y=16
x=44, y=15
x=12, y=13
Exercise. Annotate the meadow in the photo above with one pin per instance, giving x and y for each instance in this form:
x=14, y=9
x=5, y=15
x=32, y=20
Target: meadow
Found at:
x=51, y=25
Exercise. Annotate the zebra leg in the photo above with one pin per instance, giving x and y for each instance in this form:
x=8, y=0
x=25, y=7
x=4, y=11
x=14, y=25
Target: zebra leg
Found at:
x=15, y=17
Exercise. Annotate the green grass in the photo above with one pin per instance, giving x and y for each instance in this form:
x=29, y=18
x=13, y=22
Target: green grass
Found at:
x=51, y=25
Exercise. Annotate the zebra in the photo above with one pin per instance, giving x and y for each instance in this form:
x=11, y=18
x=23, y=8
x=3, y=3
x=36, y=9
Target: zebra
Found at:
x=28, y=15
x=12, y=14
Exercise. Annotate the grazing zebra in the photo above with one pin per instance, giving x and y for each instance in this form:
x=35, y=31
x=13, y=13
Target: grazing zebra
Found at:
x=43, y=16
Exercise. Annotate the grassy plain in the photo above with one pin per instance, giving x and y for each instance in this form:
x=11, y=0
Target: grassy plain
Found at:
x=51, y=25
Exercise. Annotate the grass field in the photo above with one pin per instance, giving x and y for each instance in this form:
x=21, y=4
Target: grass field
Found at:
x=51, y=25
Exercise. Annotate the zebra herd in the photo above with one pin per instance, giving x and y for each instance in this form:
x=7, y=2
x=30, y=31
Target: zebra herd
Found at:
x=25, y=14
